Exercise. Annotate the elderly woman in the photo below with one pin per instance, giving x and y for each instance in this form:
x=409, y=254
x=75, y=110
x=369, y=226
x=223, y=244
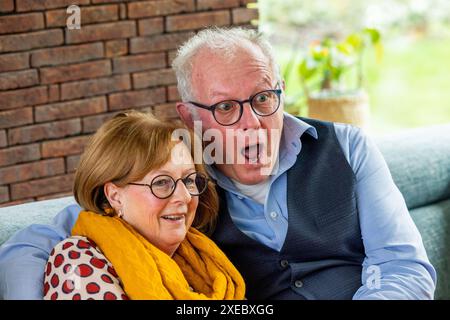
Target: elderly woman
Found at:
x=144, y=201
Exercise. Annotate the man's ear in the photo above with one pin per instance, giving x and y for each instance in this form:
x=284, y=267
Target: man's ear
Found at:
x=185, y=114
x=283, y=85
x=113, y=194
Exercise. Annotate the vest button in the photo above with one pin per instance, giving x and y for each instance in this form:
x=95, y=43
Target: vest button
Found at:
x=298, y=284
x=284, y=263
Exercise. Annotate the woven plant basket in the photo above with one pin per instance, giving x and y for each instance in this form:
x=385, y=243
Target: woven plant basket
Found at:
x=350, y=108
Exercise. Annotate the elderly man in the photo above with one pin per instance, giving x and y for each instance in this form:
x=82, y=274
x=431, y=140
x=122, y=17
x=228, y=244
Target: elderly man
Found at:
x=325, y=221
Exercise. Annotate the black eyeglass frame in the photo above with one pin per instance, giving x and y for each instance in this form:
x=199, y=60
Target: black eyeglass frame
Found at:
x=175, y=184
x=213, y=107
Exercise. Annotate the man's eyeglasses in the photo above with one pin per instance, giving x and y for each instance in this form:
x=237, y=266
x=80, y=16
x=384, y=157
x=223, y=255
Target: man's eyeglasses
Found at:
x=228, y=112
x=163, y=186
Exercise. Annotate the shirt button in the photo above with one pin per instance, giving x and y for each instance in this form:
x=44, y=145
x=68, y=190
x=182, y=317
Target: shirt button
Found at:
x=298, y=284
x=284, y=263
x=273, y=215
x=240, y=198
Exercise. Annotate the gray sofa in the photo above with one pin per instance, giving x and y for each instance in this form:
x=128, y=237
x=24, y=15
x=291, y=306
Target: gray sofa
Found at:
x=419, y=161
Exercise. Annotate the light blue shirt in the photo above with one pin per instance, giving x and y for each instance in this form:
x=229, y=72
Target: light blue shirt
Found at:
x=393, y=245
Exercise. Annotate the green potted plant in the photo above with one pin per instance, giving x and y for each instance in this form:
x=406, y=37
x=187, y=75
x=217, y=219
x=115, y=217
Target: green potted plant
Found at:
x=322, y=72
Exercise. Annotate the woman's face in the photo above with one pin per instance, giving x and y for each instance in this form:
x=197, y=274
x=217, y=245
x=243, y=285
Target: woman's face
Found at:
x=163, y=222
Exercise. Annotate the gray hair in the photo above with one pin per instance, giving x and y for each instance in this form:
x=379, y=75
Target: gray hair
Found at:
x=226, y=42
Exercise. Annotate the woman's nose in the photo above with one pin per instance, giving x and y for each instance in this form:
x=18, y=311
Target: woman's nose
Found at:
x=181, y=193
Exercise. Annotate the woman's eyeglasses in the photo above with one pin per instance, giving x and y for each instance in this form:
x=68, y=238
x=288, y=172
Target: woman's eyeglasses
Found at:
x=163, y=186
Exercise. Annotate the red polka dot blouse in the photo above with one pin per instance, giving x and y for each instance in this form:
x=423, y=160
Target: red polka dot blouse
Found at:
x=78, y=270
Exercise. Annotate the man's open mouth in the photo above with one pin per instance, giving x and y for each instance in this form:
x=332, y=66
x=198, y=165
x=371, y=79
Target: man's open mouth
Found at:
x=252, y=153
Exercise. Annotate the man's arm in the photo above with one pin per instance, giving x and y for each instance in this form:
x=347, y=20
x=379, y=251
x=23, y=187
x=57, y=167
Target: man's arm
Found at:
x=24, y=256
x=396, y=264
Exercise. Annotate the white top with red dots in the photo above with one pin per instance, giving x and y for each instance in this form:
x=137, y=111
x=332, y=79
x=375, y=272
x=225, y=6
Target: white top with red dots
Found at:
x=78, y=270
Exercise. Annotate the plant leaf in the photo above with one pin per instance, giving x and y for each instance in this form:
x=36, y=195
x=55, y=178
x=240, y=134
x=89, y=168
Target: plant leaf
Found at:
x=307, y=69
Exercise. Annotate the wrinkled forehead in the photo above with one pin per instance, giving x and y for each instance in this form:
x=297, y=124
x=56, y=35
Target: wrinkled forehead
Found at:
x=213, y=69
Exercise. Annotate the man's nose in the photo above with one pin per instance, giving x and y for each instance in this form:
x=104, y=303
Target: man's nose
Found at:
x=249, y=119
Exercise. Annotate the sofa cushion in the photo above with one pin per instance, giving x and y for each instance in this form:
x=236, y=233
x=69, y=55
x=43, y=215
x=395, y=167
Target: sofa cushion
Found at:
x=18, y=217
x=433, y=222
x=419, y=161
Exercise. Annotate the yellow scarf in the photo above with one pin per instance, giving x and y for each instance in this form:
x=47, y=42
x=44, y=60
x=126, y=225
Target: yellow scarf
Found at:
x=148, y=273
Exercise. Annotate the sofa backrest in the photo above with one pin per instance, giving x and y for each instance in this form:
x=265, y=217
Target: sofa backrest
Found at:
x=419, y=161
x=17, y=217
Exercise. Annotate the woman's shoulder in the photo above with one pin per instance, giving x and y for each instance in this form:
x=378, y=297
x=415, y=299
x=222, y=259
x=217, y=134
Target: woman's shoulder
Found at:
x=77, y=269
x=76, y=244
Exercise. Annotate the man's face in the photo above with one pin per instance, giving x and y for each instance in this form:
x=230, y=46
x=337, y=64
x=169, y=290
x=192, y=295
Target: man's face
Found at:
x=215, y=79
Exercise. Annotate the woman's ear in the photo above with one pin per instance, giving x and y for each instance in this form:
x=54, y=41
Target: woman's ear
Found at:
x=114, y=195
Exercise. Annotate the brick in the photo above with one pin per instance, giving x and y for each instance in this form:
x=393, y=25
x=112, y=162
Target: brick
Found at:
x=151, y=26
x=21, y=22
x=166, y=111
x=14, y=203
x=3, y=140
x=88, y=88
x=4, y=194
x=53, y=93
x=92, y=123
x=64, y=147
x=14, y=61
x=244, y=15
x=23, y=97
x=216, y=4
x=159, y=8
x=123, y=11
x=37, y=132
x=18, y=79
x=34, y=5
x=105, y=31
x=80, y=71
x=108, y=1
x=132, y=99
x=172, y=94
x=6, y=5
x=55, y=196
x=72, y=163
x=116, y=48
x=33, y=170
x=153, y=78
x=170, y=56
x=139, y=62
x=197, y=20
x=16, y=117
x=70, y=109
x=32, y=40
x=67, y=54
x=19, y=154
x=159, y=42
x=147, y=109
x=89, y=15
x=42, y=187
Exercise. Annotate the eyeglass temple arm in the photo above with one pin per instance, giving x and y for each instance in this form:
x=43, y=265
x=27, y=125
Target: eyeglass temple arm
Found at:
x=200, y=105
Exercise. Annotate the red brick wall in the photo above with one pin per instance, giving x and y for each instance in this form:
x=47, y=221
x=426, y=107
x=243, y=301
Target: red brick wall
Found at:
x=57, y=86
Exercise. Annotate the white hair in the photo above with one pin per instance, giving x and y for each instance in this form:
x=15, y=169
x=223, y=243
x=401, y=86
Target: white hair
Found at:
x=225, y=42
